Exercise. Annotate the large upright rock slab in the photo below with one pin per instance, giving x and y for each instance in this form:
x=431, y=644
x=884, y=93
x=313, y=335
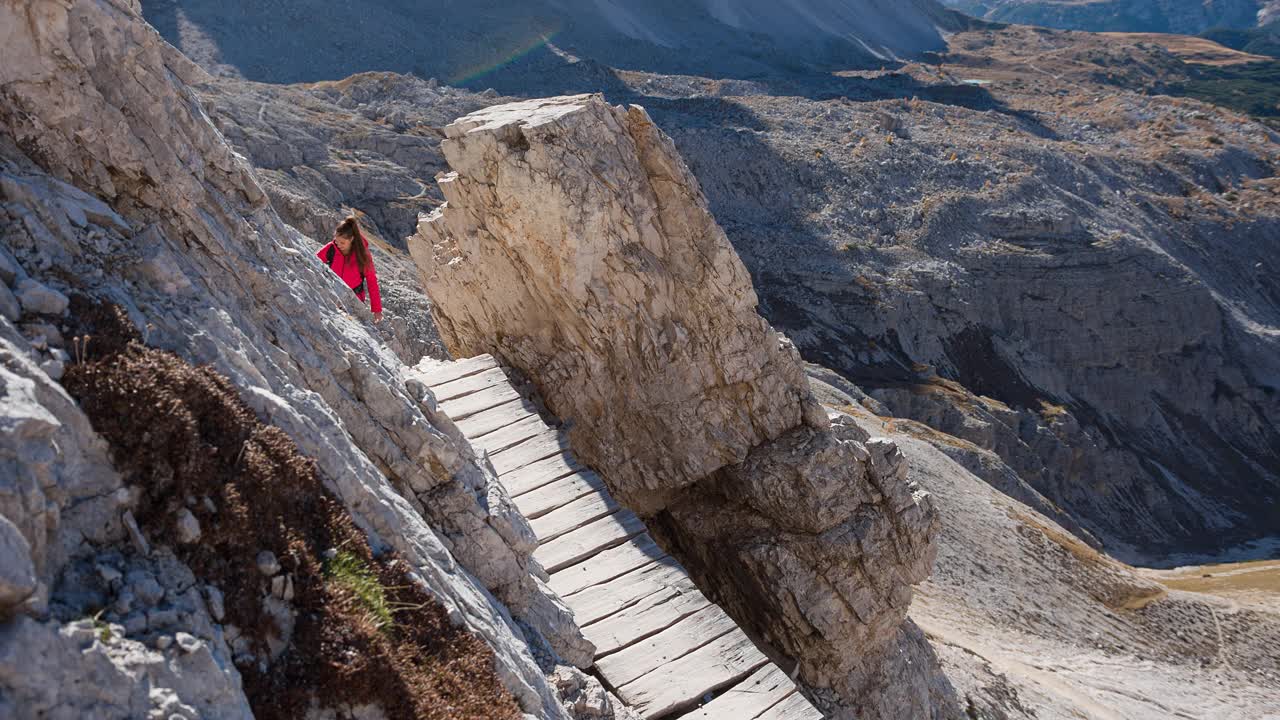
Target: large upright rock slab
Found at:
x=576, y=246
x=576, y=241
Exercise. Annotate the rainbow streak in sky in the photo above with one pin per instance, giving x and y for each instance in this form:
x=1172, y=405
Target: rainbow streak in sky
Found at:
x=478, y=71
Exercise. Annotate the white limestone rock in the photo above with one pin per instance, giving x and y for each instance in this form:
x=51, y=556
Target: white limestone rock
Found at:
x=187, y=526
x=577, y=247
x=591, y=256
x=48, y=669
x=17, y=572
x=183, y=237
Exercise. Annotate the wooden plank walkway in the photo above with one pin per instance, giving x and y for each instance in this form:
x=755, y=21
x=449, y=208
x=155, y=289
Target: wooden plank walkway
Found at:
x=663, y=647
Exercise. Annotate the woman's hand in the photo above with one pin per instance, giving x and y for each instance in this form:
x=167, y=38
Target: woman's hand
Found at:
x=377, y=318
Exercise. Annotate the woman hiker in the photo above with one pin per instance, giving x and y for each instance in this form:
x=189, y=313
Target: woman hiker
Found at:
x=348, y=256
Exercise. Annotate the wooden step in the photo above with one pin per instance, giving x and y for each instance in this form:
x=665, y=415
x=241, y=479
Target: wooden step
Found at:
x=470, y=384
x=750, y=698
x=517, y=432
x=573, y=516
x=600, y=601
x=539, y=447
x=468, y=405
x=795, y=707
x=649, y=616
x=606, y=566
x=675, y=642
x=534, y=476
x=438, y=373
x=495, y=418
x=588, y=540
x=557, y=494
x=683, y=682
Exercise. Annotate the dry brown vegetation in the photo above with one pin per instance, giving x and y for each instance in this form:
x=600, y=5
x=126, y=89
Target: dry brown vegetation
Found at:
x=182, y=435
x=1109, y=581
x=1190, y=48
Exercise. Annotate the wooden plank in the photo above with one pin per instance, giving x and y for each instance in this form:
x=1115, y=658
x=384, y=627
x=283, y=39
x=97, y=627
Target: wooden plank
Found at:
x=600, y=601
x=541, y=447
x=513, y=434
x=440, y=373
x=470, y=384
x=795, y=707
x=650, y=615
x=573, y=516
x=558, y=493
x=606, y=566
x=532, y=477
x=682, y=682
x=499, y=416
x=666, y=647
x=588, y=540
x=468, y=405
x=747, y=700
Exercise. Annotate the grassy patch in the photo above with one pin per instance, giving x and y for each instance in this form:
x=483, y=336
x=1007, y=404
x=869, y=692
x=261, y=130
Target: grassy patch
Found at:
x=349, y=573
x=101, y=627
x=1253, y=89
x=1106, y=579
x=1257, y=41
x=184, y=437
x=1050, y=410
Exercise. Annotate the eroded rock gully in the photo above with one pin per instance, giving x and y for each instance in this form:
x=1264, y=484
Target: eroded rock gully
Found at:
x=576, y=246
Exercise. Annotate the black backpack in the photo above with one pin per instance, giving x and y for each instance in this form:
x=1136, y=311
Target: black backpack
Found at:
x=328, y=258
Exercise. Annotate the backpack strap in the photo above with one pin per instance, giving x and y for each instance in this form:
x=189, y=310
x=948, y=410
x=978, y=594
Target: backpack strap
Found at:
x=328, y=255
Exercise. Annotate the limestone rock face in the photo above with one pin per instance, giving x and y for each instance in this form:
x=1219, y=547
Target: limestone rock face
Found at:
x=17, y=572
x=575, y=241
x=826, y=525
x=115, y=185
x=576, y=246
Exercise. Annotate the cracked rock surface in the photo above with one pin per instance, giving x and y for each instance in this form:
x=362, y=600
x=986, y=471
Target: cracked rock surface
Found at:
x=115, y=185
x=622, y=300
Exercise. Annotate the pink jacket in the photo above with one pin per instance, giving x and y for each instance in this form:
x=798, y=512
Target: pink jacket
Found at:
x=347, y=269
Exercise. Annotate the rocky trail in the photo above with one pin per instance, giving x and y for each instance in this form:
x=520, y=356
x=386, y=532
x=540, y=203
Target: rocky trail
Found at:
x=664, y=648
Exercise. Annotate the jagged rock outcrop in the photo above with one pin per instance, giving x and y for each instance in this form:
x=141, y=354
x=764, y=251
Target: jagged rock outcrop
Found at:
x=576, y=245
x=115, y=185
x=605, y=271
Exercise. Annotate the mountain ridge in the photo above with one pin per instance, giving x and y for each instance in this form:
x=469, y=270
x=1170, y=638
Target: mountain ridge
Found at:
x=1186, y=17
x=491, y=42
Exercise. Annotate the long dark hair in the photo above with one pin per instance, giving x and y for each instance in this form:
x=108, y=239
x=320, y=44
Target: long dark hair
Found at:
x=350, y=228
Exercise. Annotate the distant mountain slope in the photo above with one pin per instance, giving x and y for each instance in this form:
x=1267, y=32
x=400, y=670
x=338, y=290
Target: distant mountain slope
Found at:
x=466, y=42
x=1189, y=17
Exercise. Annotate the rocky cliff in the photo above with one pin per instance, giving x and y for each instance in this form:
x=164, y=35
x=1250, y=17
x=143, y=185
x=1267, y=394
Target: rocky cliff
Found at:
x=1095, y=278
x=1189, y=17
x=603, y=277
x=116, y=187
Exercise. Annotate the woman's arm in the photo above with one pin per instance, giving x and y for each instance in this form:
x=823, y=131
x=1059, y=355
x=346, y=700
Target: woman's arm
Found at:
x=320, y=253
x=375, y=295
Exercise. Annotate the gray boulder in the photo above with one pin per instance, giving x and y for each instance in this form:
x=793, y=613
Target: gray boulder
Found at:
x=17, y=572
x=36, y=297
